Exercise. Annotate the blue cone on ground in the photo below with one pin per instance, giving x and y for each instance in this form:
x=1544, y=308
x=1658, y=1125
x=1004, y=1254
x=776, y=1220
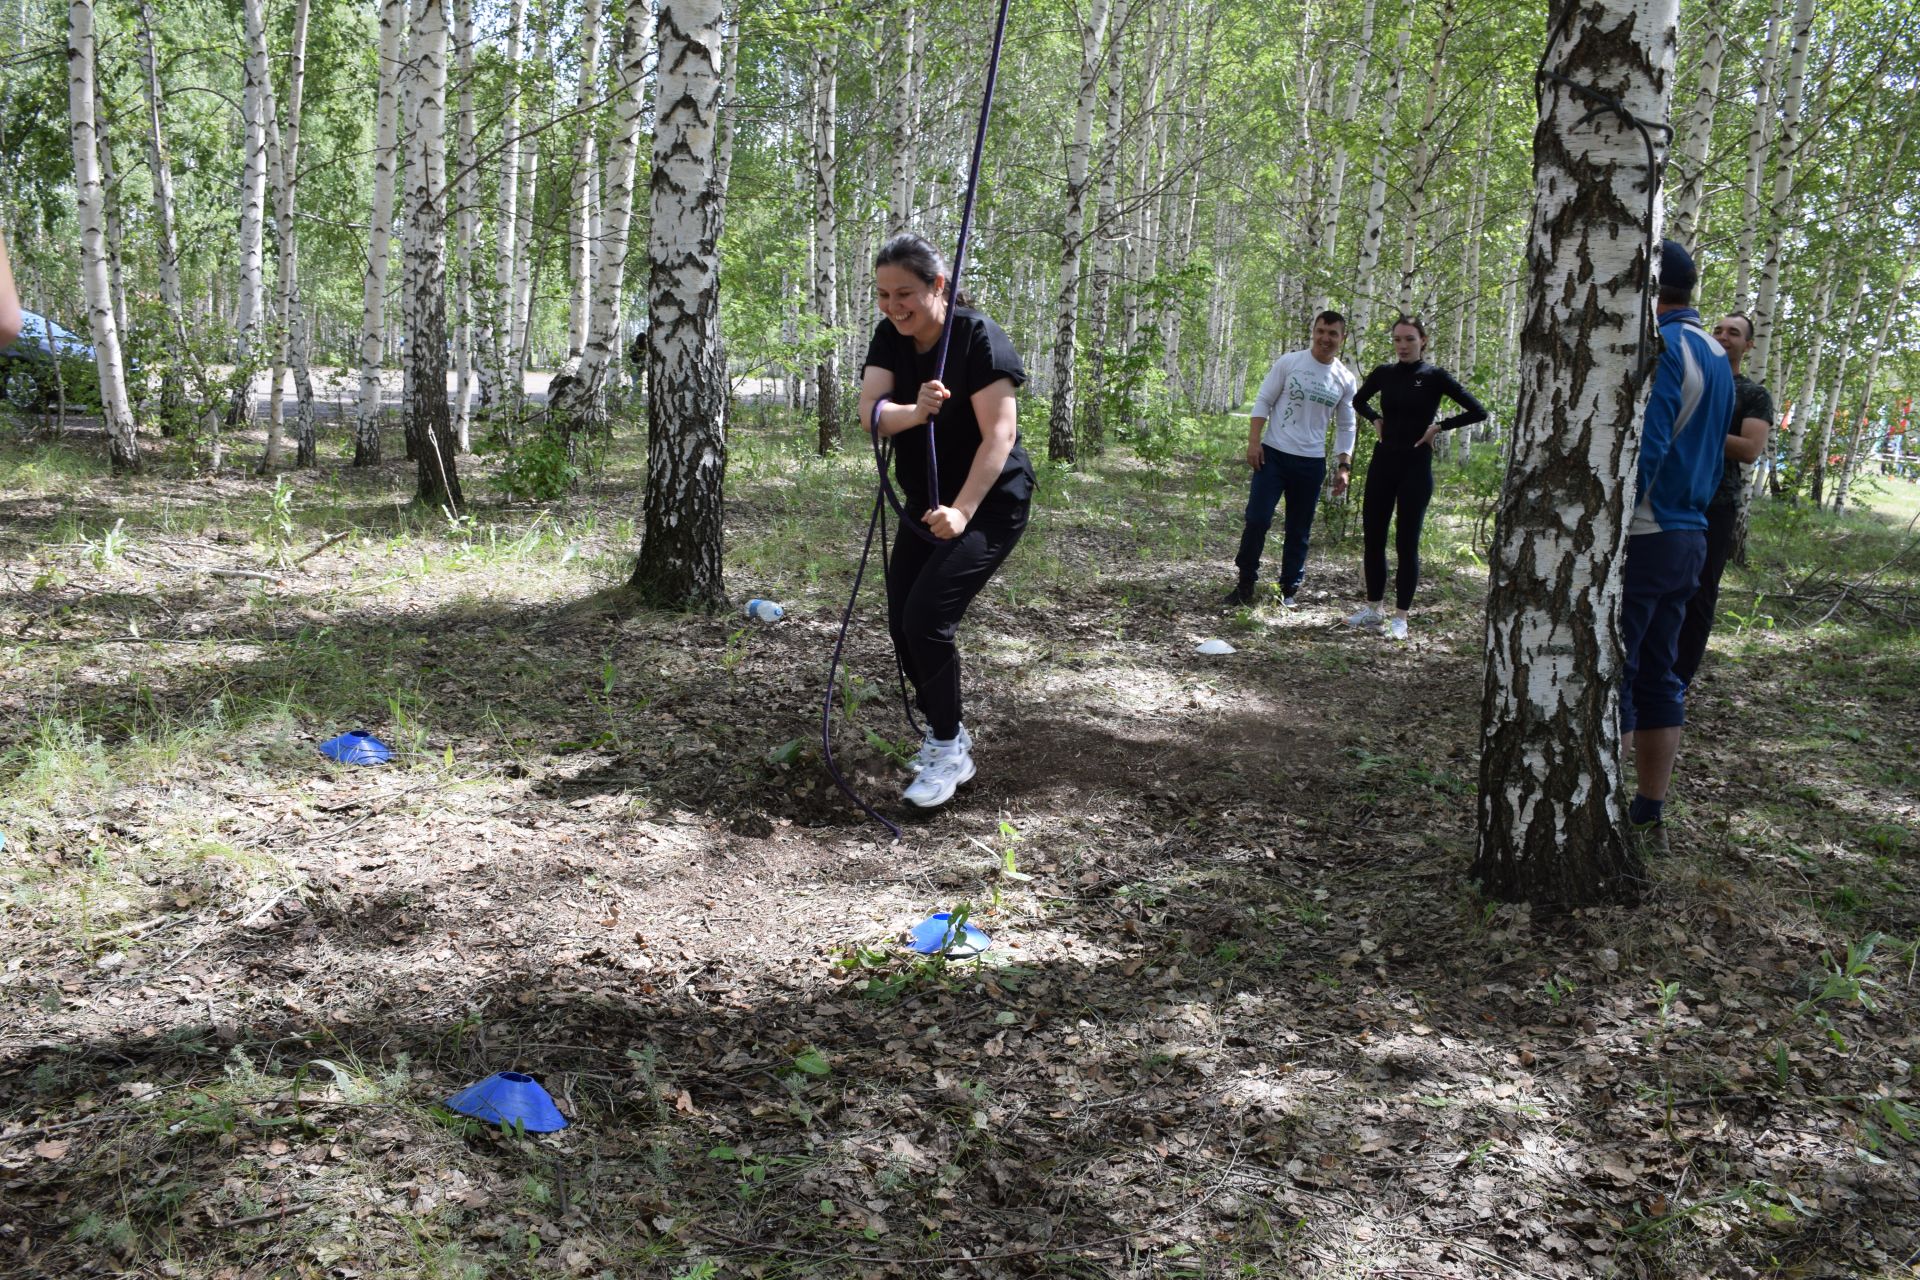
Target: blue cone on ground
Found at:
x=356, y=747
x=508, y=1097
x=931, y=936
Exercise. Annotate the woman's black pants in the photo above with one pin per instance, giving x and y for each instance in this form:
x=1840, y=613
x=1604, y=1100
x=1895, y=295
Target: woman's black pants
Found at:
x=929, y=586
x=1399, y=484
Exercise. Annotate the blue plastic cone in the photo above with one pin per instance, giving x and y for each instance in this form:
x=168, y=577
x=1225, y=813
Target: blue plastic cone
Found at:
x=356, y=747
x=508, y=1097
x=931, y=935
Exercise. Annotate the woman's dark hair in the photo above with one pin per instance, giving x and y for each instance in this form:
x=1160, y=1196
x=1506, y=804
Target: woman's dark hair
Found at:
x=917, y=254
x=1412, y=322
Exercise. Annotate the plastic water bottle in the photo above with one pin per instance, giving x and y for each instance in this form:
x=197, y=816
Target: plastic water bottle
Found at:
x=765, y=610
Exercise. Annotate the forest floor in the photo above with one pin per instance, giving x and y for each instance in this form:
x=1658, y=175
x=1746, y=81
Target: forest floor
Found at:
x=1243, y=1014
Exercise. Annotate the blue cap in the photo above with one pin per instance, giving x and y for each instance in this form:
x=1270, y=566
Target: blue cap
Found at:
x=1676, y=266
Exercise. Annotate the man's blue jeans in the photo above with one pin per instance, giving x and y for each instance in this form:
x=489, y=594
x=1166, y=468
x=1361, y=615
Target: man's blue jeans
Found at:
x=1298, y=480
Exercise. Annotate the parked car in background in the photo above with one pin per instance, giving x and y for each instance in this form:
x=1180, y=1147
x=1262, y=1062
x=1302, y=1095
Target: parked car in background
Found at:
x=27, y=368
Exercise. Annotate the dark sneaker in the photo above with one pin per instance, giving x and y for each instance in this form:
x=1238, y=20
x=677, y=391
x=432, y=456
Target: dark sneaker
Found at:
x=1239, y=597
x=1650, y=839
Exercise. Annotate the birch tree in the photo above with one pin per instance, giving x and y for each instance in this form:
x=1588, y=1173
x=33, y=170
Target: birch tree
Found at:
x=467, y=224
x=679, y=561
x=366, y=431
x=283, y=166
x=906, y=102
x=581, y=231
x=584, y=402
x=1697, y=132
x=826, y=234
x=523, y=266
x=160, y=164
x=1763, y=305
x=1061, y=415
x=1759, y=138
x=102, y=327
x=1423, y=159
x=1552, y=822
x=498, y=380
x=253, y=208
x=1362, y=310
x=438, y=481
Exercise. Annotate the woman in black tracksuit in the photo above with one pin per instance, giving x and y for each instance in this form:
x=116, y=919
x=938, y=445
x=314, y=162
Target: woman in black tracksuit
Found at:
x=985, y=484
x=1400, y=477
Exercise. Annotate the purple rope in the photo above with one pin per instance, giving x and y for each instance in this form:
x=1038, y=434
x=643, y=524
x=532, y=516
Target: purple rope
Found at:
x=960, y=248
x=883, y=451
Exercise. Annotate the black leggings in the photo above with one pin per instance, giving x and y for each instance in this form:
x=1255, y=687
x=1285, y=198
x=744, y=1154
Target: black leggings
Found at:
x=929, y=586
x=1399, y=481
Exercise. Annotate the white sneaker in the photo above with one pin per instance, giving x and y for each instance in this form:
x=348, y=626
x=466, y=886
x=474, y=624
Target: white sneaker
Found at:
x=1397, y=629
x=1368, y=617
x=1288, y=602
x=919, y=759
x=951, y=764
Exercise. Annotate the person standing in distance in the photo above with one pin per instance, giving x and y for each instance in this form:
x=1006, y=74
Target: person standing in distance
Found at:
x=1680, y=448
x=1746, y=439
x=10, y=318
x=986, y=484
x=1302, y=394
x=1400, y=477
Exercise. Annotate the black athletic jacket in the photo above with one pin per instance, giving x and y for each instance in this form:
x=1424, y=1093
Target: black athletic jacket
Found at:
x=1410, y=396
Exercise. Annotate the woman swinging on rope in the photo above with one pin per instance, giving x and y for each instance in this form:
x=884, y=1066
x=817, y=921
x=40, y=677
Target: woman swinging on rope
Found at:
x=984, y=481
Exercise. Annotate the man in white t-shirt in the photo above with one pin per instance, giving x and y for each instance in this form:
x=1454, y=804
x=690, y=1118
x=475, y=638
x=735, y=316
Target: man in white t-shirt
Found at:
x=1302, y=394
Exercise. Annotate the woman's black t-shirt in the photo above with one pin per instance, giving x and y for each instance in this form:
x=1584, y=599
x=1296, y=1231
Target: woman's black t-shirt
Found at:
x=978, y=355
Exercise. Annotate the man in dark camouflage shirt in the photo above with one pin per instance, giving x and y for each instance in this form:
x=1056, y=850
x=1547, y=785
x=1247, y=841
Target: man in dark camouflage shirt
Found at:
x=1746, y=440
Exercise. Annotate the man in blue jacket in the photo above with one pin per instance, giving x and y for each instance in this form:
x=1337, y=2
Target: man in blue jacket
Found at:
x=1680, y=446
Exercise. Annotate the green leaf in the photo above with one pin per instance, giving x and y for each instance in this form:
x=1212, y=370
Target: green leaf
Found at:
x=813, y=1062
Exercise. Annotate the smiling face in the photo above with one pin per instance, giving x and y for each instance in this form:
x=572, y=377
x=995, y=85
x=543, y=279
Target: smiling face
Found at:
x=1734, y=334
x=1407, y=343
x=917, y=308
x=1327, y=337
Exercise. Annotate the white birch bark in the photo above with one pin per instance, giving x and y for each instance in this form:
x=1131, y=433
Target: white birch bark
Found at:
x=1759, y=138
x=1552, y=821
x=502, y=371
x=1105, y=227
x=102, y=327
x=1472, y=304
x=253, y=206
x=160, y=163
x=1362, y=310
x=1423, y=159
x=366, y=429
x=1337, y=179
x=1061, y=415
x=427, y=411
x=467, y=224
x=905, y=125
x=110, y=202
x=284, y=163
x=1783, y=180
x=826, y=232
x=522, y=336
x=584, y=406
x=580, y=216
x=1697, y=131
x=680, y=556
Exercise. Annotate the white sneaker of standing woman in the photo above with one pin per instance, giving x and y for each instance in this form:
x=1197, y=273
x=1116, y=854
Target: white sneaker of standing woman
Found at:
x=919, y=759
x=941, y=773
x=1368, y=617
x=1397, y=628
